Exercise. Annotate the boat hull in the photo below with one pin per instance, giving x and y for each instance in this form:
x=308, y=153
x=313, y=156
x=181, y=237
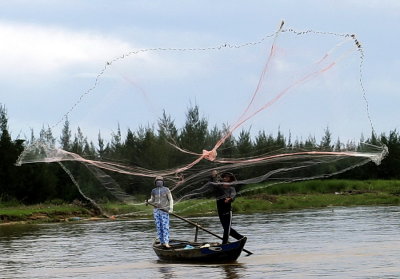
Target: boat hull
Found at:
x=184, y=251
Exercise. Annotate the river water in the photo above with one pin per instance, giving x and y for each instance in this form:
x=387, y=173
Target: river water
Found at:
x=339, y=242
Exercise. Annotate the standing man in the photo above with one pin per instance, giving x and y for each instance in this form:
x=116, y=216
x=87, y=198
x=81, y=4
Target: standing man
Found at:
x=163, y=203
x=225, y=195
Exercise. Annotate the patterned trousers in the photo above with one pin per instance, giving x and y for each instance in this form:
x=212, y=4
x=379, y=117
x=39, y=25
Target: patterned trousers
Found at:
x=161, y=219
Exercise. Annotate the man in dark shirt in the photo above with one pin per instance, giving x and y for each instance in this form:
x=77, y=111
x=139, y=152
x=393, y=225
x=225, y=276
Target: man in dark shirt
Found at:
x=225, y=195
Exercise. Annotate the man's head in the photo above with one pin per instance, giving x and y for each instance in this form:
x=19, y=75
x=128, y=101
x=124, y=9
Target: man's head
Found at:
x=159, y=181
x=228, y=177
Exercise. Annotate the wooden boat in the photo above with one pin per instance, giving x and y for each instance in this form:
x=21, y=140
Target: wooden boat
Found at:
x=186, y=251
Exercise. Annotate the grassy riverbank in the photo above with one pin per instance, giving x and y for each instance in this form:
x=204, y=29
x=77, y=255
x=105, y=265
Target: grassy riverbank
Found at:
x=256, y=198
x=306, y=194
x=41, y=212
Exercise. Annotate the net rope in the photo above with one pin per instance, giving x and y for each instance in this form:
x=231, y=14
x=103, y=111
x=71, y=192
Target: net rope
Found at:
x=189, y=180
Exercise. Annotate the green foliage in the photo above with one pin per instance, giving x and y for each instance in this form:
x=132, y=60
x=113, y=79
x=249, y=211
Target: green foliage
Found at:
x=65, y=139
x=118, y=208
x=41, y=212
x=194, y=133
x=151, y=148
x=328, y=186
x=326, y=142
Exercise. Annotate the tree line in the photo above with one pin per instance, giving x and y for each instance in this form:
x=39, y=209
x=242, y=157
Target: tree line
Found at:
x=149, y=147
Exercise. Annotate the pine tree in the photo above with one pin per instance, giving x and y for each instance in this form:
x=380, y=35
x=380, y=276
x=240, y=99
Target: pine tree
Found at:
x=116, y=144
x=280, y=140
x=244, y=145
x=166, y=128
x=194, y=133
x=46, y=136
x=326, y=141
x=65, y=139
x=228, y=148
x=338, y=145
x=264, y=143
x=213, y=136
x=3, y=119
x=6, y=158
x=100, y=142
x=167, y=135
x=79, y=142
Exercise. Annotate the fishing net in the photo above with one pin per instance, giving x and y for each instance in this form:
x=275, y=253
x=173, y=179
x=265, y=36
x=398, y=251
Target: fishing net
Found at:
x=298, y=81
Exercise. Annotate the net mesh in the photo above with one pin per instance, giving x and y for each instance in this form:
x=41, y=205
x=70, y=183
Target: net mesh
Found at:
x=292, y=83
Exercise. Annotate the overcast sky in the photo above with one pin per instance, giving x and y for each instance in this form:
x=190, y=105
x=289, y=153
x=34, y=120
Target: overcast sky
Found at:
x=52, y=51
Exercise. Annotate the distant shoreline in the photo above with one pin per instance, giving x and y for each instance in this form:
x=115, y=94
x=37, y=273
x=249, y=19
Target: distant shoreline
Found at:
x=290, y=196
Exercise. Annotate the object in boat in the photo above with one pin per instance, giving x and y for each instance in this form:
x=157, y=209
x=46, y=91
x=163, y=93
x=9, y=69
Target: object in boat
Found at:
x=199, y=252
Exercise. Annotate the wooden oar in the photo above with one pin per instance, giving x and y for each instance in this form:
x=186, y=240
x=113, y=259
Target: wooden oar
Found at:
x=196, y=225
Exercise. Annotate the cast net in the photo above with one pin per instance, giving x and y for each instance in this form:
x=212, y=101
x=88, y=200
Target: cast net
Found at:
x=306, y=81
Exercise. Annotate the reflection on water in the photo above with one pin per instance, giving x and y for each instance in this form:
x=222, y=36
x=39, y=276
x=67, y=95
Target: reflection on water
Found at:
x=357, y=242
x=233, y=271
